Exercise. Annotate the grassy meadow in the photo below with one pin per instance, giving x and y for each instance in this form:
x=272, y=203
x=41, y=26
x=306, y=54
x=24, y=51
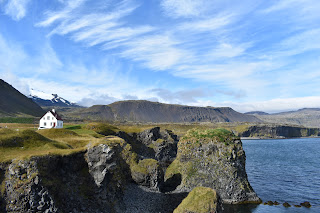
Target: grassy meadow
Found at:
x=23, y=140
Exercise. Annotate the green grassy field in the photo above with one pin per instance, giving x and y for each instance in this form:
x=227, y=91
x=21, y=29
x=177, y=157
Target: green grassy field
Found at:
x=23, y=140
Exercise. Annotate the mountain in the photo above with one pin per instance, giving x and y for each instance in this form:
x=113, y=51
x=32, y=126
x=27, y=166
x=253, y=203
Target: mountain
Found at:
x=256, y=113
x=50, y=100
x=146, y=111
x=13, y=103
x=308, y=117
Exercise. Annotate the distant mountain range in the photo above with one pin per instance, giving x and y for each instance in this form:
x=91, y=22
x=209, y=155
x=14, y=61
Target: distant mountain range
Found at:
x=147, y=111
x=309, y=117
x=50, y=100
x=13, y=103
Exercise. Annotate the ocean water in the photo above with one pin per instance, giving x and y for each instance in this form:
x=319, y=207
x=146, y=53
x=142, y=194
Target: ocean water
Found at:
x=284, y=170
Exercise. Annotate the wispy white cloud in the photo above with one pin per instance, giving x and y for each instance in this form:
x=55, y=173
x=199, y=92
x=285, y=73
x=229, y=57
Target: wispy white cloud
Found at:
x=184, y=8
x=188, y=96
x=207, y=24
x=238, y=48
x=16, y=9
x=157, y=52
x=53, y=16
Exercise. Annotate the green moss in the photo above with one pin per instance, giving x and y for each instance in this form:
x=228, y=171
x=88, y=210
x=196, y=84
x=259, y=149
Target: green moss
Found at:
x=159, y=141
x=199, y=200
x=102, y=128
x=219, y=134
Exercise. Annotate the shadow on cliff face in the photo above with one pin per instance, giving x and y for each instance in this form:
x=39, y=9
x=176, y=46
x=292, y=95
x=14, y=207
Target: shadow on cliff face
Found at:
x=2, y=201
x=172, y=183
x=139, y=199
x=73, y=188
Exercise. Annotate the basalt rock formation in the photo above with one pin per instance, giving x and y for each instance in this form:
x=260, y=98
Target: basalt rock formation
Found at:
x=214, y=159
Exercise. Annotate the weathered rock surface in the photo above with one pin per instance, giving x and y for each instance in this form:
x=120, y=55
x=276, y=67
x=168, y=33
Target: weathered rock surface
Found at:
x=123, y=176
x=154, y=143
x=200, y=200
x=279, y=131
x=148, y=173
x=214, y=159
x=91, y=181
x=23, y=190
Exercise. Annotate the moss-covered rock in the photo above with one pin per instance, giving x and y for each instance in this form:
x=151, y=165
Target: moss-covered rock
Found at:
x=213, y=158
x=147, y=173
x=200, y=200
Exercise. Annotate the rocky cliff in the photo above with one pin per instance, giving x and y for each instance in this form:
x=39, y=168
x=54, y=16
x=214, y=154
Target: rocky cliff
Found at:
x=130, y=174
x=279, y=131
x=214, y=159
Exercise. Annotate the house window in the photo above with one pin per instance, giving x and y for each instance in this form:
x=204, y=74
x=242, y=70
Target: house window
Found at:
x=44, y=118
x=48, y=117
x=44, y=124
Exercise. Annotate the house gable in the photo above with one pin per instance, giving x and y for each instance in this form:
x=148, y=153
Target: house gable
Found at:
x=50, y=120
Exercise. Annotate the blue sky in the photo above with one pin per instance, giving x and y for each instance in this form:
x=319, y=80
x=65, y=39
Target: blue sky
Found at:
x=249, y=55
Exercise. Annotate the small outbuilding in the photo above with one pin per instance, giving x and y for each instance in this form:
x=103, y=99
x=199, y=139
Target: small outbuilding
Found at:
x=50, y=120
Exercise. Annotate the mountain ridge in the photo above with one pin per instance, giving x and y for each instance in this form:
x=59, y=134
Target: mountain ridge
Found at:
x=147, y=111
x=50, y=100
x=308, y=117
x=14, y=103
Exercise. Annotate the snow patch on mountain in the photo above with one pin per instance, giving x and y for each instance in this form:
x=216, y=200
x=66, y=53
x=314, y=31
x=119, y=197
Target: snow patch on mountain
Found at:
x=45, y=99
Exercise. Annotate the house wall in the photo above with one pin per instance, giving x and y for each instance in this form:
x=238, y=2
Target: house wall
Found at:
x=49, y=121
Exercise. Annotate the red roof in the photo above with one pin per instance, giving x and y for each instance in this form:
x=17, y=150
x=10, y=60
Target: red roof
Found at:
x=54, y=114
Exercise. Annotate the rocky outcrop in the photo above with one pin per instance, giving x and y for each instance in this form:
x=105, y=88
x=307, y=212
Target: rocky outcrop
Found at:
x=148, y=173
x=24, y=191
x=214, y=159
x=90, y=181
x=121, y=175
x=279, y=131
x=201, y=200
x=154, y=143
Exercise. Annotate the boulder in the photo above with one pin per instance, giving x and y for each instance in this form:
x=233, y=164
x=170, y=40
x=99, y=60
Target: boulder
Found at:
x=306, y=204
x=286, y=204
x=200, y=200
x=213, y=158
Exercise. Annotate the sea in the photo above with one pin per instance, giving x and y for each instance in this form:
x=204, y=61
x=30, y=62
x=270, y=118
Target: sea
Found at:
x=283, y=170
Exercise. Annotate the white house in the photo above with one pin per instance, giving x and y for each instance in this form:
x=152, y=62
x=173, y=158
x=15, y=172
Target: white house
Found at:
x=50, y=120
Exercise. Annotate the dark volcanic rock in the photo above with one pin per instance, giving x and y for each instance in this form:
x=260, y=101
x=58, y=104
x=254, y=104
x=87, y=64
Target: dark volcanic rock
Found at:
x=214, y=159
x=148, y=173
x=282, y=131
x=153, y=143
x=285, y=204
x=163, y=143
x=306, y=204
x=90, y=181
x=23, y=192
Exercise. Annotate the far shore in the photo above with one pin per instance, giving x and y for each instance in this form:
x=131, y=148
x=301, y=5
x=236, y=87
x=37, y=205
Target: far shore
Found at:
x=280, y=137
